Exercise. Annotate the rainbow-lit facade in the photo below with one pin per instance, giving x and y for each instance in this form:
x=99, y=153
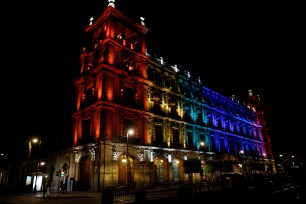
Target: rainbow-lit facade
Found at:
x=174, y=117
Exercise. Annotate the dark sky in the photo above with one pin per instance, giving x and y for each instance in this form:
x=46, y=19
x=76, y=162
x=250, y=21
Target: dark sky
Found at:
x=232, y=45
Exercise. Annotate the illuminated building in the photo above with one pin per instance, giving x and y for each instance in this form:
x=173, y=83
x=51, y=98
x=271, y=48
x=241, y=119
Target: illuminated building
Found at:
x=122, y=87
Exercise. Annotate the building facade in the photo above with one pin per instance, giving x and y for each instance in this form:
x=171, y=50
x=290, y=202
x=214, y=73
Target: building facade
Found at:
x=174, y=118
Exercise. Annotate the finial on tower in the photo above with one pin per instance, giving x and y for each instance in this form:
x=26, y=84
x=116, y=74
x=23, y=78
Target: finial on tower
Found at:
x=111, y=3
x=90, y=20
x=142, y=21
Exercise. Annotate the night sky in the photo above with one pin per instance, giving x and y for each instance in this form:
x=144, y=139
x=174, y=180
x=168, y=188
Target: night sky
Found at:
x=232, y=46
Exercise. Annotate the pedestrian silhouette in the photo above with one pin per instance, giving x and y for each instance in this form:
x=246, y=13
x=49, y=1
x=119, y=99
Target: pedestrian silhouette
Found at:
x=65, y=187
x=62, y=188
x=48, y=186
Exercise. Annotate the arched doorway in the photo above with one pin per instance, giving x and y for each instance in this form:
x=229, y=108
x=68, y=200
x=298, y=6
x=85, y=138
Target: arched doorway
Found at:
x=160, y=170
x=123, y=170
x=84, y=181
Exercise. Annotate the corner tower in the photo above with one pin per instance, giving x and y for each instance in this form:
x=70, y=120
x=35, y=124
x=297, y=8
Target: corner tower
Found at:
x=113, y=73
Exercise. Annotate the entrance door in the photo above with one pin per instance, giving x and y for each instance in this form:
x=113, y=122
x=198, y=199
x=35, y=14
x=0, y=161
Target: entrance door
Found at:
x=175, y=171
x=160, y=172
x=84, y=182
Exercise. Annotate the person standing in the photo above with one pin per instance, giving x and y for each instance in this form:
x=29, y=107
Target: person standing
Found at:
x=47, y=188
x=43, y=188
x=65, y=187
x=62, y=187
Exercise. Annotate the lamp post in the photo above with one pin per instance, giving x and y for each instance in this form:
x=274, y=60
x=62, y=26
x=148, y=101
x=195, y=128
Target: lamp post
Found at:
x=32, y=140
x=200, y=144
x=35, y=140
x=30, y=143
x=201, y=173
x=129, y=132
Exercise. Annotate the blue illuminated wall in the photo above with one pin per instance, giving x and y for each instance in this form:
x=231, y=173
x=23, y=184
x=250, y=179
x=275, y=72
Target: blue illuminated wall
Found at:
x=224, y=124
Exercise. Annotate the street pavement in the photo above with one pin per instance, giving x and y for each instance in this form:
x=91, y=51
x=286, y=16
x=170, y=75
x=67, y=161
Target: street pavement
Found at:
x=294, y=194
x=72, y=197
x=54, y=198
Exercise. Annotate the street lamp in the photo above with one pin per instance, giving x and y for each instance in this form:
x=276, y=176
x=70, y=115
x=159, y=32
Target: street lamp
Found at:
x=201, y=173
x=200, y=144
x=30, y=143
x=129, y=132
x=36, y=140
x=32, y=140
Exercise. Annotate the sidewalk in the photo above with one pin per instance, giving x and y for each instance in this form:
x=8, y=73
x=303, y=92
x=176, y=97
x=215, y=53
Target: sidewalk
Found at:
x=96, y=196
x=70, y=194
